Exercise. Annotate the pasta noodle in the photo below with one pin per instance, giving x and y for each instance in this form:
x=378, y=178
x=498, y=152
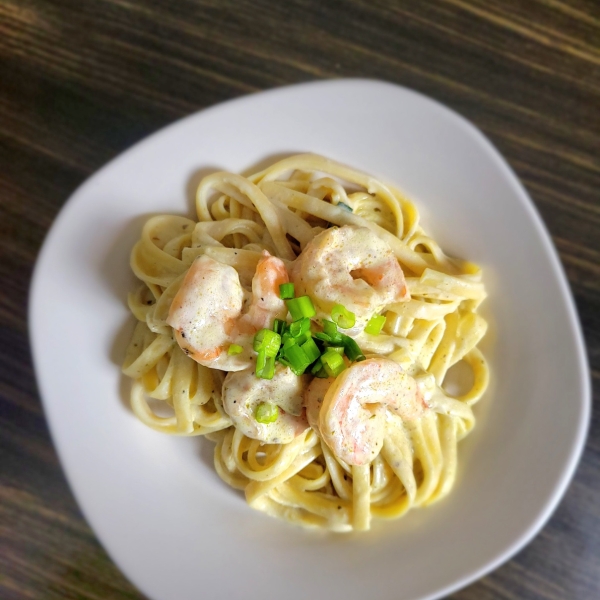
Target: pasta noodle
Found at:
x=285, y=210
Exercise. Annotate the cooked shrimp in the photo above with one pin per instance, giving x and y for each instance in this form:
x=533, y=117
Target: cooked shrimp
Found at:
x=313, y=399
x=206, y=312
x=352, y=414
x=353, y=267
x=243, y=392
x=267, y=304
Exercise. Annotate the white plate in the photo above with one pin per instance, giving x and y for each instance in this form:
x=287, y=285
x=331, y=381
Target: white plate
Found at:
x=156, y=503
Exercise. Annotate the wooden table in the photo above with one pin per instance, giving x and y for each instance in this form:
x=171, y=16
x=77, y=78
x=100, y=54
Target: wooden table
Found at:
x=81, y=80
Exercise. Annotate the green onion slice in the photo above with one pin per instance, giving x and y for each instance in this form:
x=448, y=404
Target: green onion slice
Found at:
x=330, y=329
x=317, y=366
x=322, y=336
x=267, y=340
x=338, y=349
x=342, y=316
x=301, y=307
x=318, y=370
x=279, y=326
x=286, y=291
x=352, y=349
x=283, y=361
x=297, y=358
x=333, y=363
x=300, y=327
x=266, y=412
x=375, y=325
x=287, y=340
x=311, y=349
x=234, y=349
x=265, y=365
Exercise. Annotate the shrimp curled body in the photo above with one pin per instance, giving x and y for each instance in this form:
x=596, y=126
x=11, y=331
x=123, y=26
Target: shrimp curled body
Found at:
x=351, y=417
x=353, y=267
x=243, y=392
x=206, y=313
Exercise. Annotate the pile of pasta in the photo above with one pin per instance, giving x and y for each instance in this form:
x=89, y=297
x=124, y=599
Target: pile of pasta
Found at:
x=281, y=209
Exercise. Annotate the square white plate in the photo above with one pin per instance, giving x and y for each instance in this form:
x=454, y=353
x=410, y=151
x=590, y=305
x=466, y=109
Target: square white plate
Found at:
x=155, y=502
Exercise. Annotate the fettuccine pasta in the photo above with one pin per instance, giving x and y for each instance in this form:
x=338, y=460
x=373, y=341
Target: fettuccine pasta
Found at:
x=308, y=260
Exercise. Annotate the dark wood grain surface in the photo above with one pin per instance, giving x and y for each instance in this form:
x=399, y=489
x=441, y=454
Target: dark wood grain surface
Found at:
x=81, y=80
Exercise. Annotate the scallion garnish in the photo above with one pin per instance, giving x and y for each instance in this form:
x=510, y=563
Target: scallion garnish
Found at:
x=287, y=340
x=265, y=365
x=300, y=327
x=322, y=336
x=338, y=349
x=311, y=349
x=345, y=206
x=297, y=358
x=266, y=412
x=375, y=325
x=330, y=329
x=333, y=363
x=286, y=291
x=318, y=370
x=234, y=349
x=342, y=316
x=352, y=349
x=301, y=307
x=296, y=347
x=283, y=361
x=279, y=326
x=317, y=366
x=267, y=340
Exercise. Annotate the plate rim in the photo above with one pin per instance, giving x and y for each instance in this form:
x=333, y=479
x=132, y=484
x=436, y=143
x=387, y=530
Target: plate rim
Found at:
x=550, y=252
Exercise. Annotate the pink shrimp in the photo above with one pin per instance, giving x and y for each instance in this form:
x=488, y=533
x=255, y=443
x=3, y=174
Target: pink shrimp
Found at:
x=206, y=313
x=350, y=266
x=351, y=418
x=243, y=393
x=313, y=400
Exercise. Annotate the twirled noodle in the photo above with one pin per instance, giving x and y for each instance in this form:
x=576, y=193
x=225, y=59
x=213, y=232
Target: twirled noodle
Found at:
x=281, y=209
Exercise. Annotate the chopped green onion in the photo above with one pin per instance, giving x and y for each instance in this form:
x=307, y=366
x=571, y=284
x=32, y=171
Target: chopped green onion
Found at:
x=279, y=326
x=322, y=336
x=338, y=349
x=286, y=291
x=317, y=366
x=333, y=363
x=300, y=327
x=301, y=307
x=266, y=412
x=330, y=329
x=283, y=361
x=352, y=349
x=234, y=349
x=297, y=358
x=267, y=340
x=265, y=365
x=375, y=325
x=345, y=206
x=311, y=349
x=318, y=370
x=288, y=340
x=342, y=316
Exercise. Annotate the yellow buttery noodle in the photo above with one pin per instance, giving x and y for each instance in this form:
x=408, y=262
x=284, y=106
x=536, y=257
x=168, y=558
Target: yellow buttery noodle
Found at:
x=308, y=480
